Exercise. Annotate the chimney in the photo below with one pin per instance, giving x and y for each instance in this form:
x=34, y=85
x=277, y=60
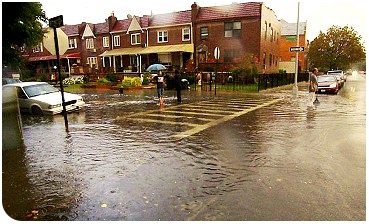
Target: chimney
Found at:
x=194, y=11
x=112, y=21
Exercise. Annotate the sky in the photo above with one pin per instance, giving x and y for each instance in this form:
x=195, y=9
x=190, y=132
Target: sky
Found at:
x=319, y=15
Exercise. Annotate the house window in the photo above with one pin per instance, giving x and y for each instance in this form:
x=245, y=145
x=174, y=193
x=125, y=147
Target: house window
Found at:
x=270, y=59
x=105, y=41
x=186, y=34
x=89, y=43
x=266, y=30
x=271, y=34
x=232, y=29
x=116, y=41
x=92, y=61
x=204, y=33
x=135, y=39
x=162, y=36
x=231, y=54
x=72, y=43
x=38, y=48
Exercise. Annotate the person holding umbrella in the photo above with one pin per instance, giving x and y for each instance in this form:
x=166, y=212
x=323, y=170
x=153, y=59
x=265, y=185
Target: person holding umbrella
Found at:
x=159, y=79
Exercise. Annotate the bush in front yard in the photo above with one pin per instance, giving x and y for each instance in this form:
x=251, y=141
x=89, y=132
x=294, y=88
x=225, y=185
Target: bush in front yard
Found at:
x=131, y=82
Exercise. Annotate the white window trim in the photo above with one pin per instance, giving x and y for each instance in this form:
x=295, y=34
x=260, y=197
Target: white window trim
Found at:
x=116, y=41
x=92, y=61
x=90, y=43
x=161, y=35
x=183, y=34
x=105, y=41
x=74, y=43
x=135, y=38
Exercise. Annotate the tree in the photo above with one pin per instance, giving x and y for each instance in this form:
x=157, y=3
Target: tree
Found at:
x=245, y=66
x=336, y=49
x=22, y=28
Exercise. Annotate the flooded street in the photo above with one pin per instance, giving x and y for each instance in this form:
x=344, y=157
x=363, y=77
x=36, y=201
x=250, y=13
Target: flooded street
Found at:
x=235, y=156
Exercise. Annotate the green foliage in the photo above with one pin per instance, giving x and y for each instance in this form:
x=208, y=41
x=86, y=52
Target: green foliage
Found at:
x=44, y=78
x=21, y=28
x=112, y=77
x=146, y=80
x=336, y=49
x=103, y=81
x=131, y=82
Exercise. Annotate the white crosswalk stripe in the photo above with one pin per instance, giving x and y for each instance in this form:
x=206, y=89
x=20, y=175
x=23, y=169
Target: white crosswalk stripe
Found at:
x=199, y=116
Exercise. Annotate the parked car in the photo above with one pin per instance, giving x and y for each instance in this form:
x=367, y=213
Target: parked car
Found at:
x=338, y=73
x=10, y=81
x=42, y=98
x=328, y=84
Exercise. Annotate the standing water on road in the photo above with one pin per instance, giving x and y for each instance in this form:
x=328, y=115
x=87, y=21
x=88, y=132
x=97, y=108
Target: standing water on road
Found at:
x=120, y=161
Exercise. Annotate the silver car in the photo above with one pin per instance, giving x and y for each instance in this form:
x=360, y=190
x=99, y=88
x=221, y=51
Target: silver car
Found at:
x=42, y=98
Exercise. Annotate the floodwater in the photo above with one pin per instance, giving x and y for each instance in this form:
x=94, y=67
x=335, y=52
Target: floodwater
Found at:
x=282, y=161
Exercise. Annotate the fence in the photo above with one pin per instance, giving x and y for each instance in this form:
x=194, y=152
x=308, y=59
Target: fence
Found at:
x=234, y=82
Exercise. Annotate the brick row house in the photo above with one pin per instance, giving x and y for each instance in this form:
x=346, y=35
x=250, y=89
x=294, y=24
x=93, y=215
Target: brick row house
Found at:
x=176, y=39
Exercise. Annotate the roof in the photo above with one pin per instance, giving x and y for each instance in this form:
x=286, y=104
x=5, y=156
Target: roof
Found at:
x=101, y=28
x=53, y=57
x=70, y=30
x=235, y=10
x=173, y=18
x=289, y=29
x=149, y=50
x=122, y=25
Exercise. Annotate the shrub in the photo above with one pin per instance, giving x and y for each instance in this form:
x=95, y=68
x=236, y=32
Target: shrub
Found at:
x=112, y=77
x=131, y=82
x=103, y=81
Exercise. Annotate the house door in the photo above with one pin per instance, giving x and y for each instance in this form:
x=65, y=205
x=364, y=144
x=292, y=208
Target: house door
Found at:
x=118, y=64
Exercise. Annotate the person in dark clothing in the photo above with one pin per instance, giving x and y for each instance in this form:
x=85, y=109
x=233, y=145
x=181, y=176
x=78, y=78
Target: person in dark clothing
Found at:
x=178, y=84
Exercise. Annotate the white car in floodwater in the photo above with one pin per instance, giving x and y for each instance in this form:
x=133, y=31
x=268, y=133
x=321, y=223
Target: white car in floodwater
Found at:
x=41, y=98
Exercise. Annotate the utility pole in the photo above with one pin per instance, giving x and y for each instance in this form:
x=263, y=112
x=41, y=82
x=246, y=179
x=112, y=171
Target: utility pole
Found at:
x=295, y=88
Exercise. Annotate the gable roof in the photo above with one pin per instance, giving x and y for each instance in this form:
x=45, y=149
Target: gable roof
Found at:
x=173, y=18
x=101, y=28
x=70, y=30
x=121, y=25
x=235, y=10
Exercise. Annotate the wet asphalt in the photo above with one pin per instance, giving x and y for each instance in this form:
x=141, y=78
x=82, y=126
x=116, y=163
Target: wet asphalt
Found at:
x=230, y=157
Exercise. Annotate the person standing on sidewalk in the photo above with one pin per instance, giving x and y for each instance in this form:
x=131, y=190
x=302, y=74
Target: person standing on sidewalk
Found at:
x=160, y=87
x=178, y=84
x=313, y=86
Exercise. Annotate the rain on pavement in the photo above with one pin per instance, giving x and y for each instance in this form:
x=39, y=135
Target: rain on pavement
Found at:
x=232, y=156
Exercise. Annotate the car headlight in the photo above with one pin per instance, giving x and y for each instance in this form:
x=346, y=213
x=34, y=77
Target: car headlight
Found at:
x=333, y=85
x=54, y=106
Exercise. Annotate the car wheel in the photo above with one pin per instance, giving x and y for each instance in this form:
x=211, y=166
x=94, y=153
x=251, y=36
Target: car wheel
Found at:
x=36, y=110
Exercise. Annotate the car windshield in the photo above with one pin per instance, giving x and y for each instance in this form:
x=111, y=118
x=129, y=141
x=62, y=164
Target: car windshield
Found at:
x=326, y=79
x=39, y=89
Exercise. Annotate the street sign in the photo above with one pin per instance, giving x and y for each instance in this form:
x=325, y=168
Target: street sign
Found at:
x=56, y=21
x=217, y=53
x=296, y=49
